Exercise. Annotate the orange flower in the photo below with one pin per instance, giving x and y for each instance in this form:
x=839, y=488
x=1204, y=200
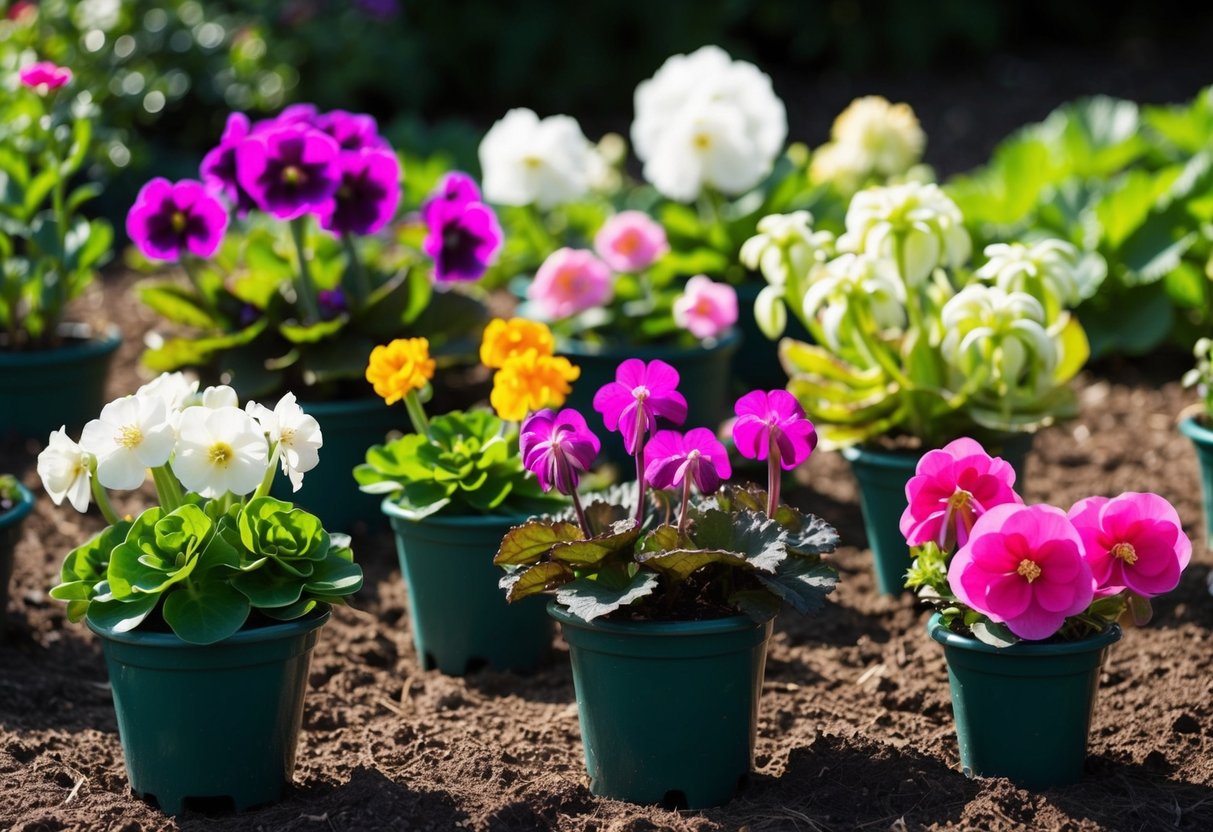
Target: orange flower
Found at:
x=503, y=339
x=399, y=367
x=529, y=382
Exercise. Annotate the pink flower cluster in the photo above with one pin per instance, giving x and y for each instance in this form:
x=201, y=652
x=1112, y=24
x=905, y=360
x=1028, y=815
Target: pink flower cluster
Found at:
x=1032, y=567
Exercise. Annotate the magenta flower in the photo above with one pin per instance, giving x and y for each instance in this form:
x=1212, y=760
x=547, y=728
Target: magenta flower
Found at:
x=1134, y=541
x=169, y=218
x=464, y=239
x=1023, y=566
x=951, y=489
x=305, y=114
x=44, y=76
x=289, y=170
x=351, y=131
x=631, y=241
x=368, y=195
x=455, y=187
x=773, y=419
x=672, y=459
x=219, y=165
x=557, y=448
x=570, y=281
x=640, y=393
x=706, y=309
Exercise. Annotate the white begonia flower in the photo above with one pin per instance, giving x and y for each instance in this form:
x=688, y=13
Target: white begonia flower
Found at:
x=174, y=389
x=296, y=433
x=1048, y=269
x=705, y=119
x=988, y=329
x=915, y=225
x=133, y=434
x=880, y=138
x=220, y=450
x=849, y=279
x=63, y=467
x=526, y=160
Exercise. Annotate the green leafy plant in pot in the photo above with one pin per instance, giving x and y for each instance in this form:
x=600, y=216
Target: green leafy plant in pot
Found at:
x=16, y=502
x=209, y=603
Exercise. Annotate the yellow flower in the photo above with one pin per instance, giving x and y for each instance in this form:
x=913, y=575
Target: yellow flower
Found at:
x=399, y=367
x=529, y=382
x=503, y=339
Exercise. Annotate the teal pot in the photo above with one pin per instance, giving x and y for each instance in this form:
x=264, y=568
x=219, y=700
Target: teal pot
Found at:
x=330, y=492
x=1202, y=438
x=668, y=710
x=1024, y=711
x=882, y=478
x=704, y=374
x=211, y=727
x=10, y=533
x=459, y=617
x=43, y=390
x=756, y=364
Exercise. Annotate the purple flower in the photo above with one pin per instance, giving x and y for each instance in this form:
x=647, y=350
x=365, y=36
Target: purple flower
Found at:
x=367, y=197
x=381, y=10
x=670, y=458
x=289, y=170
x=775, y=418
x=464, y=239
x=219, y=165
x=456, y=187
x=167, y=218
x=332, y=303
x=557, y=448
x=351, y=131
x=639, y=394
x=306, y=114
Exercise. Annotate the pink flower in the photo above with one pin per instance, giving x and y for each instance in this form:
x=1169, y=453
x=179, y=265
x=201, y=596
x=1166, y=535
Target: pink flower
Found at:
x=706, y=309
x=557, y=448
x=631, y=241
x=570, y=281
x=670, y=458
x=638, y=395
x=1023, y=566
x=951, y=489
x=773, y=419
x=1134, y=541
x=44, y=76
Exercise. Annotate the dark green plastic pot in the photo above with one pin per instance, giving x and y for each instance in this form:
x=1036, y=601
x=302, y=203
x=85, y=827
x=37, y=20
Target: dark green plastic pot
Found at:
x=10, y=533
x=1202, y=439
x=882, y=478
x=211, y=727
x=756, y=363
x=704, y=378
x=459, y=617
x=668, y=710
x=44, y=390
x=1024, y=711
x=330, y=492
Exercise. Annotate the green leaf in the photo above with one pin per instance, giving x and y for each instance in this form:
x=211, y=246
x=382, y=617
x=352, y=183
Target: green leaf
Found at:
x=802, y=582
x=621, y=540
x=761, y=541
x=334, y=576
x=536, y=579
x=679, y=564
x=312, y=333
x=206, y=612
x=269, y=587
x=995, y=635
x=122, y=616
x=528, y=543
x=175, y=303
x=588, y=599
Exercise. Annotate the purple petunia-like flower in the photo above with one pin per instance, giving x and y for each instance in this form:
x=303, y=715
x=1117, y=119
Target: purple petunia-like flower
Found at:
x=305, y=114
x=351, y=131
x=368, y=195
x=455, y=188
x=557, y=448
x=773, y=418
x=464, y=238
x=639, y=395
x=219, y=165
x=169, y=218
x=289, y=170
x=671, y=457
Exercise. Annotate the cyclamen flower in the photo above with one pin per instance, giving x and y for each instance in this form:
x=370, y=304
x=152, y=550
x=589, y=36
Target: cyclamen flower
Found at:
x=455, y=187
x=670, y=458
x=219, y=451
x=44, y=76
x=400, y=367
x=168, y=219
x=464, y=239
x=368, y=195
x=1023, y=566
x=706, y=309
x=527, y=160
x=530, y=381
x=636, y=398
x=351, y=131
x=557, y=448
x=219, y=165
x=951, y=489
x=289, y=169
x=296, y=434
x=1134, y=541
x=769, y=420
x=504, y=339
x=570, y=281
x=63, y=467
x=132, y=435
x=631, y=241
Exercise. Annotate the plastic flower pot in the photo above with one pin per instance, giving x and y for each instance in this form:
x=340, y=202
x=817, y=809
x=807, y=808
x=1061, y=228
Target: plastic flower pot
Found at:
x=756, y=364
x=704, y=378
x=1202, y=438
x=668, y=710
x=1024, y=711
x=349, y=428
x=459, y=617
x=10, y=533
x=211, y=727
x=43, y=390
x=882, y=478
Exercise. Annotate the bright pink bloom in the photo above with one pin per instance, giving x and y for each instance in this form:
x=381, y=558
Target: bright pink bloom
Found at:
x=570, y=281
x=557, y=448
x=773, y=418
x=670, y=457
x=1023, y=566
x=706, y=308
x=1134, y=541
x=169, y=219
x=639, y=394
x=951, y=488
x=631, y=241
x=45, y=75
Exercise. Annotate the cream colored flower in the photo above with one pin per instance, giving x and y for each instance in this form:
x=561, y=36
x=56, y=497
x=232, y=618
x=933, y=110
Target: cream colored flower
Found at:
x=1001, y=333
x=296, y=433
x=63, y=467
x=220, y=450
x=883, y=139
x=1050, y=270
x=855, y=279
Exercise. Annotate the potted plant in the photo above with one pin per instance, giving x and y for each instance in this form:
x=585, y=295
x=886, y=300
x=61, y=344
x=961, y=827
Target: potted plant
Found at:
x=668, y=591
x=297, y=269
x=1026, y=600
x=915, y=348
x=15, y=503
x=1197, y=424
x=52, y=372
x=209, y=603
x=454, y=486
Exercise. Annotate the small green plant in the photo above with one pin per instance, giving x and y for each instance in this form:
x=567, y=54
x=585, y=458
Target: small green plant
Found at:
x=1201, y=376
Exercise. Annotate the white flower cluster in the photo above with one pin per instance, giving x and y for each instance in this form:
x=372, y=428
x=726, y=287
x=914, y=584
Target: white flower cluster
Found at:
x=211, y=446
x=546, y=162
x=870, y=138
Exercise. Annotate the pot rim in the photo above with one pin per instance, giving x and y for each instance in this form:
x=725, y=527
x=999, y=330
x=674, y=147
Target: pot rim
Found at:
x=947, y=638
x=710, y=626
x=581, y=349
x=389, y=507
x=273, y=632
x=1191, y=427
x=89, y=343
x=18, y=512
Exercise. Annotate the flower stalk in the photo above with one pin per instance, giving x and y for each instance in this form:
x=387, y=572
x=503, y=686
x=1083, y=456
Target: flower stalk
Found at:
x=305, y=288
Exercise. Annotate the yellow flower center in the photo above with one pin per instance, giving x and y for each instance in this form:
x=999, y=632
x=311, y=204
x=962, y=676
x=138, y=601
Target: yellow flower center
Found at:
x=220, y=454
x=292, y=175
x=532, y=162
x=129, y=436
x=702, y=141
x=178, y=221
x=1029, y=568
x=959, y=499
x=288, y=437
x=1125, y=552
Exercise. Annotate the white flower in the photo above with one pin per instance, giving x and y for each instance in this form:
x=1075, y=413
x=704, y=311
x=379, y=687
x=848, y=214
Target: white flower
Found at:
x=174, y=389
x=1000, y=333
x=296, y=433
x=220, y=450
x=132, y=435
x=705, y=119
x=786, y=244
x=850, y=279
x=875, y=138
x=526, y=160
x=221, y=396
x=63, y=469
x=840, y=164
x=1052, y=271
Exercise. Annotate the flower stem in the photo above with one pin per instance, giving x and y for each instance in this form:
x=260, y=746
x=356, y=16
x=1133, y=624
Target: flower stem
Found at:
x=686, y=502
x=166, y=489
x=359, y=283
x=640, y=472
x=306, y=289
x=774, y=479
x=187, y=266
x=271, y=471
x=581, y=518
x=102, y=499
x=421, y=424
